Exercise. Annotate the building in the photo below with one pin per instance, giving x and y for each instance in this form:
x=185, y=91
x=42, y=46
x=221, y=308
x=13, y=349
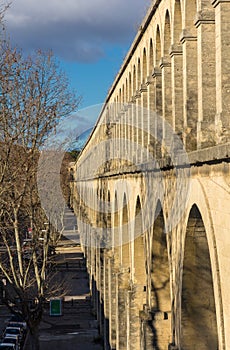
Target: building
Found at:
x=152, y=185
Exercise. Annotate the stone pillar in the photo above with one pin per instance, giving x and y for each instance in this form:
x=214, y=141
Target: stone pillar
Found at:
x=113, y=150
x=136, y=298
x=94, y=297
x=158, y=104
x=99, y=282
x=222, y=15
x=92, y=278
x=138, y=125
x=116, y=146
x=122, y=286
x=118, y=141
x=129, y=129
x=144, y=121
x=112, y=302
x=134, y=129
x=151, y=114
x=205, y=23
x=146, y=329
x=165, y=66
x=177, y=88
x=106, y=300
x=161, y=323
x=189, y=44
x=150, y=82
x=125, y=128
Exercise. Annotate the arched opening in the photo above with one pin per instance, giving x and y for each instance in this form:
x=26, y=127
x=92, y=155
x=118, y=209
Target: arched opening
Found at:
x=130, y=88
x=126, y=91
x=122, y=96
x=138, y=74
x=144, y=67
x=112, y=266
x=151, y=100
x=151, y=63
x=190, y=76
x=177, y=27
x=198, y=312
x=123, y=277
x=115, y=223
x=177, y=71
x=108, y=221
x=160, y=285
x=158, y=47
x=116, y=107
x=138, y=275
x=167, y=35
x=120, y=99
x=139, y=255
x=125, y=237
x=167, y=78
x=144, y=104
x=134, y=81
x=158, y=95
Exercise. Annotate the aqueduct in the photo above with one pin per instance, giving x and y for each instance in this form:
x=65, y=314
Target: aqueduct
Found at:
x=152, y=185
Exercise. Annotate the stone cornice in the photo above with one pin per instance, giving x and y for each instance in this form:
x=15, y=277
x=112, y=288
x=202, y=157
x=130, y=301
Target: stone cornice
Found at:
x=204, y=17
x=217, y=2
x=143, y=88
x=149, y=80
x=207, y=156
x=137, y=95
x=132, y=100
x=156, y=72
x=165, y=62
x=176, y=50
x=187, y=36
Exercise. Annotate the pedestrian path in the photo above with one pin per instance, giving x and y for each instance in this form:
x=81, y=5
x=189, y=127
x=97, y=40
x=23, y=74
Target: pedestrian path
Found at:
x=77, y=327
x=70, y=226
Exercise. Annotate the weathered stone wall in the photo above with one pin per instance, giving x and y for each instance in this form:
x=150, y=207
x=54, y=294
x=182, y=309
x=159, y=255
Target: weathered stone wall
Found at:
x=152, y=186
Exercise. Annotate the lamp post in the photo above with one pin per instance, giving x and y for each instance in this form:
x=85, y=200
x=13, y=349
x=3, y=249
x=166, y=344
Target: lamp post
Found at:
x=45, y=247
x=3, y=289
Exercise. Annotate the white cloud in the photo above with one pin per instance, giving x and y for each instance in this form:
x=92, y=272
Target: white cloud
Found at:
x=75, y=29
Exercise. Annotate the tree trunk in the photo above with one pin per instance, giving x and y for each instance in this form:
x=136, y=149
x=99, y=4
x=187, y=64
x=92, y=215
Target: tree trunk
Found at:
x=33, y=340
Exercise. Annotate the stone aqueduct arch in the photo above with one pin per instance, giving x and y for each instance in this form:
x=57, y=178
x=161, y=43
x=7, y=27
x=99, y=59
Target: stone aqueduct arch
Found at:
x=158, y=285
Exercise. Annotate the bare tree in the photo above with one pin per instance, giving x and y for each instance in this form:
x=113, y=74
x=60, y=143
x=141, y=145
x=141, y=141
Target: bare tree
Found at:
x=34, y=97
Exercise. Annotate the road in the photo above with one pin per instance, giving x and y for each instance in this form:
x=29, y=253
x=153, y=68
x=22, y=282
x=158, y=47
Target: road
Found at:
x=77, y=327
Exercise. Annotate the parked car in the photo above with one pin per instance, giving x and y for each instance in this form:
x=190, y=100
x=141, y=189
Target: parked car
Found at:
x=18, y=319
x=12, y=340
x=13, y=331
x=7, y=347
x=16, y=325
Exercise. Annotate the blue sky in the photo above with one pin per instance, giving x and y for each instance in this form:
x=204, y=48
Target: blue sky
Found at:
x=92, y=80
x=90, y=38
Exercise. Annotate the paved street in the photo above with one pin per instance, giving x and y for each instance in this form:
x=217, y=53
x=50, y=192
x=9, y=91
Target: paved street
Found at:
x=77, y=327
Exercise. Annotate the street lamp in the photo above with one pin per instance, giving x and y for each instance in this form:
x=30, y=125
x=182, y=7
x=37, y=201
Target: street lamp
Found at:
x=3, y=289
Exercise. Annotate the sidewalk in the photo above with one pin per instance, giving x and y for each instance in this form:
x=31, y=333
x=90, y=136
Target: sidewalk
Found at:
x=77, y=327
